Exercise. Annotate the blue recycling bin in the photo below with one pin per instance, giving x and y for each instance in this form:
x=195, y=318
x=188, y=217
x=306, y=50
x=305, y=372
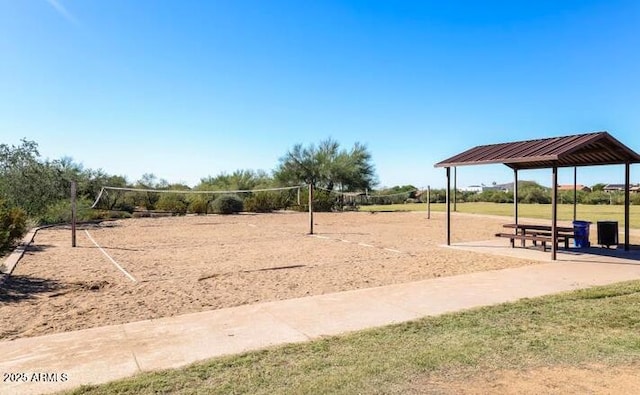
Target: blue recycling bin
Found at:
x=581, y=234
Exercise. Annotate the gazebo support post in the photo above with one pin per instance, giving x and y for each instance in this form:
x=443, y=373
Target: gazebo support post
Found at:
x=575, y=192
x=554, y=213
x=448, y=204
x=455, y=189
x=515, y=197
x=627, y=170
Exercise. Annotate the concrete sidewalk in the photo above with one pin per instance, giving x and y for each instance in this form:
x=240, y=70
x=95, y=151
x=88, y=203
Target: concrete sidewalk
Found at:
x=102, y=354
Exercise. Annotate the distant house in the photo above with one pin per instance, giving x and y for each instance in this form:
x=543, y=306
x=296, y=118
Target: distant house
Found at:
x=613, y=188
x=569, y=187
x=473, y=188
x=620, y=188
x=508, y=187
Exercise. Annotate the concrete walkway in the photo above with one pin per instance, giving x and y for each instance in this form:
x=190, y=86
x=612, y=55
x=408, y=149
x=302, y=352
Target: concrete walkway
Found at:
x=102, y=354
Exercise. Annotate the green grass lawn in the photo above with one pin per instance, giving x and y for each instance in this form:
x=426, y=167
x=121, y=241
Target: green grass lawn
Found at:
x=585, y=212
x=594, y=326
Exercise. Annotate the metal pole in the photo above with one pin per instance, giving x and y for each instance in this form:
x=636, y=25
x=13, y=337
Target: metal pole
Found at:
x=515, y=197
x=310, y=209
x=575, y=193
x=428, y=201
x=73, y=213
x=554, y=214
x=448, y=204
x=455, y=189
x=627, y=171
x=298, y=196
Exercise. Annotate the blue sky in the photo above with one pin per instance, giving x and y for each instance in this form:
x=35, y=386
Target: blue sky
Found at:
x=186, y=89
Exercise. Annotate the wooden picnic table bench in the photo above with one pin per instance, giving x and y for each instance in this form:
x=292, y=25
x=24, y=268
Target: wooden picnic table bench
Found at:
x=537, y=233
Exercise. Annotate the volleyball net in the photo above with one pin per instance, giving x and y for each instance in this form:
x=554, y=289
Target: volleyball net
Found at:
x=351, y=200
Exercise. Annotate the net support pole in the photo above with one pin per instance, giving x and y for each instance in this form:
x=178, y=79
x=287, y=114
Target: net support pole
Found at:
x=73, y=213
x=298, y=196
x=310, y=209
x=428, y=201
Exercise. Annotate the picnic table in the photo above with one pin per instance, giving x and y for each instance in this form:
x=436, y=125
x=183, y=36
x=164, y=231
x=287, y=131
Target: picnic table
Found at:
x=537, y=233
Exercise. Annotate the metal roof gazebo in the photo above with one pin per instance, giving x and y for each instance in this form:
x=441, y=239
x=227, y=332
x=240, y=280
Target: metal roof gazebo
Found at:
x=589, y=149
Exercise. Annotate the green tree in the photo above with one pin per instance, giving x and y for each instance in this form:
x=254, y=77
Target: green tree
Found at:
x=328, y=166
x=176, y=203
x=238, y=180
x=147, y=199
x=27, y=182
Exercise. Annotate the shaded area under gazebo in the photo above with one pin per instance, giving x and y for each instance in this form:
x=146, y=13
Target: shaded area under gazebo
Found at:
x=589, y=149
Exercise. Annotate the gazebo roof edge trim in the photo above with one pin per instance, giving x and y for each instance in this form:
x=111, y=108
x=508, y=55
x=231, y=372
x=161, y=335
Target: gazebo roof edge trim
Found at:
x=588, y=149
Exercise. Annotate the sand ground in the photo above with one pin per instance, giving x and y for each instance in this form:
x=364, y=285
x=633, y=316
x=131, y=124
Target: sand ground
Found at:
x=156, y=267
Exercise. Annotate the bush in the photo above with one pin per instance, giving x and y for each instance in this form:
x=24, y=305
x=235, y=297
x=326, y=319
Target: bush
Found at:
x=227, y=204
x=267, y=201
x=535, y=196
x=262, y=202
x=60, y=212
x=598, y=197
x=323, y=201
x=173, y=203
x=13, y=225
x=198, y=205
x=57, y=213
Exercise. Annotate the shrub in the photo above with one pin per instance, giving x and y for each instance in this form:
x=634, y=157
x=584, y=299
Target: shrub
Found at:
x=267, y=201
x=198, y=205
x=323, y=201
x=173, y=203
x=227, y=204
x=13, y=225
x=57, y=213
x=535, y=195
x=262, y=202
x=60, y=212
x=597, y=197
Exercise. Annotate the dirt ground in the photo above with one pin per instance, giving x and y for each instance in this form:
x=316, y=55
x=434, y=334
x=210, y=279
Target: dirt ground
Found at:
x=148, y=268
x=195, y=263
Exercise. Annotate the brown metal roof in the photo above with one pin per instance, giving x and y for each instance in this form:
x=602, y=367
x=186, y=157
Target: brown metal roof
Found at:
x=589, y=149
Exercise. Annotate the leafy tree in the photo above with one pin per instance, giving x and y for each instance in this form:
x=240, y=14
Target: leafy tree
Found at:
x=598, y=187
x=25, y=181
x=148, y=200
x=91, y=182
x=176, y=203
x=327, y=166
x=532, y=192
x=238, y=180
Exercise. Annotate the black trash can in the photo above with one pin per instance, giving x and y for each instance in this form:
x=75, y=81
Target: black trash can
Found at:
x=608, y=233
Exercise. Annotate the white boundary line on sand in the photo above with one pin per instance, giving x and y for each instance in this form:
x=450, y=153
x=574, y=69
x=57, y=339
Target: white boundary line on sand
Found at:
x=111, y=259
x=360, y=244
